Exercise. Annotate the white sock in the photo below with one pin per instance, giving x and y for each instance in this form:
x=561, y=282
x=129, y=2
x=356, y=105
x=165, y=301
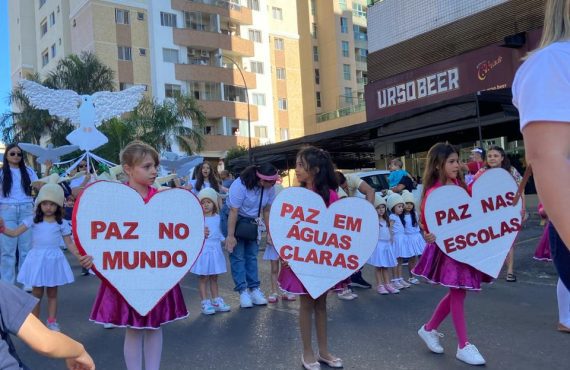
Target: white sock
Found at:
x=563, y=295
x=152, y=348
x=133, y=349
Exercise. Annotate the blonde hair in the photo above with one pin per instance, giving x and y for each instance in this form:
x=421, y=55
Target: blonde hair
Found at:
x=135, y=151
x=556, y=22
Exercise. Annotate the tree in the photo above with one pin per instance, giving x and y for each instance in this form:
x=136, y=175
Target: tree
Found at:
x=159, y=123
x=119, y=134
x=233, y=153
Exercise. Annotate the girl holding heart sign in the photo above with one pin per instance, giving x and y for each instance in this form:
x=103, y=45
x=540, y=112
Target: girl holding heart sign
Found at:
x=314, y=170
x=443, y=168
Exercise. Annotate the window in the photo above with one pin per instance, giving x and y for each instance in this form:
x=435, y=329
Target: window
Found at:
x=361, y=55
x=234, y=93
x=360, y=33
x=140, y=16
x=318, y=99
x=255, y=35
x=346, y=71
x=170, y=55
x=201, y=90
x=170, y=91
x=282, y=103
x=284, y=133
x=314, y=30
x=142, y=52
x=279, y=44
x=45, y=58
x=258, y=99
x=280, y=73
x=201, y=21
x=344, y=45
x=343, y=25
x=125, y=85
x=253, y=4
x=317, y=77
x=121, y=16
x=43, y=27
x=358, y=10
x=256, y=67
x=42, y=2
x=53, y=51
x=277, y=13
x=342, y=4
x=124, y=53
x=261, y=132
x=167, y=19
x=313, y=7
x=52, y=19
x=348, y=95
x=315, y=53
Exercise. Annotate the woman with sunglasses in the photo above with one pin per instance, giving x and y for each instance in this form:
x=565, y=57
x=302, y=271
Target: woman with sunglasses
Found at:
x=16, y=204
x=79, y=183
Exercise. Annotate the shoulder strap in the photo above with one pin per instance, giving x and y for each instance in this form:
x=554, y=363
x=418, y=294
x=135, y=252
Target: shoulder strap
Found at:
x=11, y=348
x=520, y=191
x=260, y=200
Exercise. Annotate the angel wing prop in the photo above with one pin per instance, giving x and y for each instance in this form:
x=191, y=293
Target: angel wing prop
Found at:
x=49, y=153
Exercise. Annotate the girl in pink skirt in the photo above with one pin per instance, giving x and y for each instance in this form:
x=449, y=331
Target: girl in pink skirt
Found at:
x=443, y=168
x=314, y=170
x=140, y=162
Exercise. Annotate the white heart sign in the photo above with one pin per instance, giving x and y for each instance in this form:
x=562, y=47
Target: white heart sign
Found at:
x=323, y=246
x=476, y=227
x=141, y=249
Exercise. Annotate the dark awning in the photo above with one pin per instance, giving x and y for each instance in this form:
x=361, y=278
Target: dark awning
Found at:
x=353, y=146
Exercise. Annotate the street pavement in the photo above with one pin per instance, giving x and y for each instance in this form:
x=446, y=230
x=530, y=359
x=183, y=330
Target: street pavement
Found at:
x=512, y=324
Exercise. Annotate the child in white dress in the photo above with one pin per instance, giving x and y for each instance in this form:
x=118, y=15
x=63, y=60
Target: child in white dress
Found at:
x=46, y=266
x=415, y=241
x=211, y=261
x=399, y=242
x=383, y=257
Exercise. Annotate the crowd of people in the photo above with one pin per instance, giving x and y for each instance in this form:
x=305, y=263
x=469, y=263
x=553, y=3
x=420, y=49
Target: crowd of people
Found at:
x=236, y=213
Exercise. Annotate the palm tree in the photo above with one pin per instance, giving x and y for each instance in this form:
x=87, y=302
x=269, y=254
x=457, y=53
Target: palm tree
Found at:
x=85, y=74
x=159, y=123
x=119, y=134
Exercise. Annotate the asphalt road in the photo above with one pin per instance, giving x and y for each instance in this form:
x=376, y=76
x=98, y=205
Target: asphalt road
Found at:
x=512, y=324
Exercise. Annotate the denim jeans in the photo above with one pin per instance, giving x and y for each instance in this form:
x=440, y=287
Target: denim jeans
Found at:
x=13, y=215
x=560, y=255
x=243, y=262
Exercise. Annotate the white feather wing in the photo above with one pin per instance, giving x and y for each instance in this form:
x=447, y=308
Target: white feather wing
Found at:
x=112, y=104
x=61, y=103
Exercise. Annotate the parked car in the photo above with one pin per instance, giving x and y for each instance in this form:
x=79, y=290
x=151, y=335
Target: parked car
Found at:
x=378, y=180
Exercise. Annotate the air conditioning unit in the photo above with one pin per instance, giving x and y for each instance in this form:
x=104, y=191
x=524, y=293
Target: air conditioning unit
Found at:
x=192, y=52
x=205, y=53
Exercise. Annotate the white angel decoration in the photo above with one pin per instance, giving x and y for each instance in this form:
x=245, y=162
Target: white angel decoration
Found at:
x=49, y=153
x=86, y=111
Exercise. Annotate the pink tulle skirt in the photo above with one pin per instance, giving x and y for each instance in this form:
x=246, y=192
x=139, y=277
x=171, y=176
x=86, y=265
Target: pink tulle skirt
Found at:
x=438, y=268
x=542, y=252
x=111, y=308
x=290, y=283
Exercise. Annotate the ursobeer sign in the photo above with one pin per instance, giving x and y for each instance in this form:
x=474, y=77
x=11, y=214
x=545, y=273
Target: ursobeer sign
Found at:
x=476, y=227
x=141, y=249
x=323, y=246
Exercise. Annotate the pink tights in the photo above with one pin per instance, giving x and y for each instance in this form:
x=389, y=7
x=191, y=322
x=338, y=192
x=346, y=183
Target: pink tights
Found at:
x=452, y=302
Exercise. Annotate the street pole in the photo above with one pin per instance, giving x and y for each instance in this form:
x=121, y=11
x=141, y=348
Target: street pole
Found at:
x=247, y=101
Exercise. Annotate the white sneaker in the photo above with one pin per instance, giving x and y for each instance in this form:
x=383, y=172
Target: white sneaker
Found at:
x=108, y=326
x=245, y=300
x=414, y=281
x=53, y=326
x=257, y=297
x=470, y=355
x=431, y=339
x=207, y=308
x=346, y=295
x=220, y=305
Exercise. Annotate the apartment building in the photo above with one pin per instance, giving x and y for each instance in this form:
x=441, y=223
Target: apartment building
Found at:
x=279, y=68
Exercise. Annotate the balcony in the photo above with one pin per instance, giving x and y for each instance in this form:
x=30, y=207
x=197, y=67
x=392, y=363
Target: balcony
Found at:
x=209, y=40
x=232, y=109
x=221, y=143
x=226, y=9
x=229, y=76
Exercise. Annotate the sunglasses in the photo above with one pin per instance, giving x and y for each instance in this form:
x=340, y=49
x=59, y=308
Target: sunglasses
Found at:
x=13, y=154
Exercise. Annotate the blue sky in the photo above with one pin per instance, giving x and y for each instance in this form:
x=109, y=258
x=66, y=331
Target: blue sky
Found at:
x=5, y=59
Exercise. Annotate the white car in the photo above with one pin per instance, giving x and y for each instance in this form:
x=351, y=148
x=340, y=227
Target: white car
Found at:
x=378, y=180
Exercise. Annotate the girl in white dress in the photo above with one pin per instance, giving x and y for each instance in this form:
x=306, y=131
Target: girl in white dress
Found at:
x=383, y=257
x=415, y=241
x=45, y=266
x=211, y=261
x=399, y=242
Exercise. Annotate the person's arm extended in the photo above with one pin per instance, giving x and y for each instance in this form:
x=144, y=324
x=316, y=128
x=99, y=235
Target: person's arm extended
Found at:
x=232, y=220
x=54, y=344
x=547, y=146
x=367, y=190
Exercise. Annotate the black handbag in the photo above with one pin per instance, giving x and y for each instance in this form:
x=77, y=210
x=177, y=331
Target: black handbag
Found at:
x=246, y=227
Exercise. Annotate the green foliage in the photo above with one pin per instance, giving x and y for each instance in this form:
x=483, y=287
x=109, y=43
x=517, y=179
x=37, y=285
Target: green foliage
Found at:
x=232, y=153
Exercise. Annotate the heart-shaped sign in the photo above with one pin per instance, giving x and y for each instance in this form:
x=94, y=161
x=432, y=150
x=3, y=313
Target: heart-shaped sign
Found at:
x=476, y=227
x=141, y=249
x=323, y=246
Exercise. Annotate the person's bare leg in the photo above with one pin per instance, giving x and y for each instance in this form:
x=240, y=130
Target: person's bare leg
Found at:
x=306, y=308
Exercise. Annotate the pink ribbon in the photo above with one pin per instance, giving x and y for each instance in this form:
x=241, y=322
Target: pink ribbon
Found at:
x=267, y=177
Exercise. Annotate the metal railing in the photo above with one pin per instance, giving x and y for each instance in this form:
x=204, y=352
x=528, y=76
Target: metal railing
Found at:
x=219, y=3
x=342, y=112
